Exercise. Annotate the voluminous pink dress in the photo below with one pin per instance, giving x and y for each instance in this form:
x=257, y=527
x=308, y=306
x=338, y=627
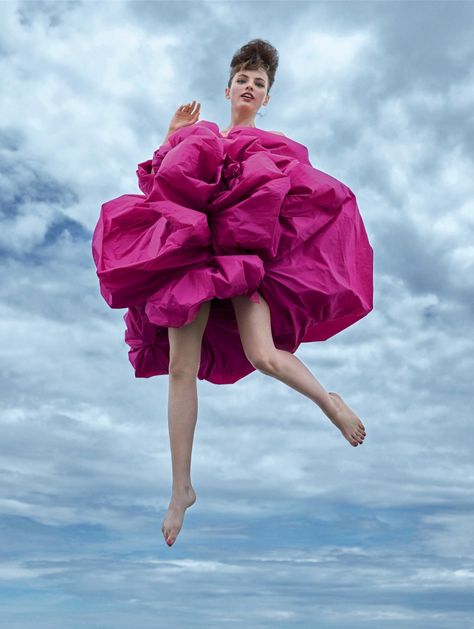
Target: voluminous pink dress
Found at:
x=225, y=216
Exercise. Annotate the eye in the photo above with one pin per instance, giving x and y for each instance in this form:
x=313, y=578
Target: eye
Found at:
x=243, y=81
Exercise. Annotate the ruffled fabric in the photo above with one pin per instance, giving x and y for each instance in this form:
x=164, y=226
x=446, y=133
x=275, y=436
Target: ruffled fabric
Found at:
x=225, y=216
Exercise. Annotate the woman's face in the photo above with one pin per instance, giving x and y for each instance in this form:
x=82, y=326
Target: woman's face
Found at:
x=253, y=81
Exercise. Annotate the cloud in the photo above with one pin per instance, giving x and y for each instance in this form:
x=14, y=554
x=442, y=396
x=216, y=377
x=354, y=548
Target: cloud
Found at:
x=291, y=522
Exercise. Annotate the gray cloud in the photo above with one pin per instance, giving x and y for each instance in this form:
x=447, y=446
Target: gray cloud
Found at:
x=291, y=523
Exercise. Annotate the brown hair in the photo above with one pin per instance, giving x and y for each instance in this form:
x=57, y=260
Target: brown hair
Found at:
x=255, y=55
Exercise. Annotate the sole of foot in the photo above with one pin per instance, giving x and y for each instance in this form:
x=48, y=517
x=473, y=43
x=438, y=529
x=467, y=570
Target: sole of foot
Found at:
x=173, y=520
x=347, y=421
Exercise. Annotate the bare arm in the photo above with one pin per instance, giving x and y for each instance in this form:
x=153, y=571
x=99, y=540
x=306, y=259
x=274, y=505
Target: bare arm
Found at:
x=184, y=116
x=165, y=139
x=168, y=133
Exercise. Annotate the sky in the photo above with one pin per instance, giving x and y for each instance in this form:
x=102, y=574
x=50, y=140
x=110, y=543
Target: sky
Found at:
x=292, y=527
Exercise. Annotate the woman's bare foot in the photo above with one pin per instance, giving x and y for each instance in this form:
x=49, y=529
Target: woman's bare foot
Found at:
x=173, y=521
x=346, y=420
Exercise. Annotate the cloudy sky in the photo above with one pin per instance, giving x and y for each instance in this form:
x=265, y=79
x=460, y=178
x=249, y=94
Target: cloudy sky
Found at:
x=293, y=527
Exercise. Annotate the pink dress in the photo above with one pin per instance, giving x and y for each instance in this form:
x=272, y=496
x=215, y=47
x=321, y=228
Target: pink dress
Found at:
x=225, y=216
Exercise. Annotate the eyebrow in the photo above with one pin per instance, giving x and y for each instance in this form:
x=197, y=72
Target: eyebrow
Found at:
x=257, y=77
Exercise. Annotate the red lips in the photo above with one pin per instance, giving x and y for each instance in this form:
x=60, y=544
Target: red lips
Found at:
x=248, y=94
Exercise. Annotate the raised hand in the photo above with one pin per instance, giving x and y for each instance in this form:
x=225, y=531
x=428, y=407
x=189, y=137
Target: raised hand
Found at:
x=185, y=115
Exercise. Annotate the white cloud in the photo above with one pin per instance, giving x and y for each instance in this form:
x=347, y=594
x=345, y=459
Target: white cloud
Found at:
x=88, y=89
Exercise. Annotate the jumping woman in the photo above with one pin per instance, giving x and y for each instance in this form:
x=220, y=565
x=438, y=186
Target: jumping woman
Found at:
x=239, y=251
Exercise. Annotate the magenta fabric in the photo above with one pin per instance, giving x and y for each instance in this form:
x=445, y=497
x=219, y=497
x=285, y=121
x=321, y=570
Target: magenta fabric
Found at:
x=226, y=216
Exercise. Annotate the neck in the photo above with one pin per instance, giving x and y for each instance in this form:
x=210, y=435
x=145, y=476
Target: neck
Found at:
x=236, y=121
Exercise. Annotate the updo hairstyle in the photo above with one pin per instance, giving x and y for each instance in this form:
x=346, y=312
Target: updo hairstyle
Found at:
x=255, y=55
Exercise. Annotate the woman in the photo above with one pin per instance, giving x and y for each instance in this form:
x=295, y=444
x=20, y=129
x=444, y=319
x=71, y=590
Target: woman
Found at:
x=239, y=251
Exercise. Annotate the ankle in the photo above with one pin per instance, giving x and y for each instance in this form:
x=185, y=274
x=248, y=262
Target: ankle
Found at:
x=329, y=406
x=179, y=489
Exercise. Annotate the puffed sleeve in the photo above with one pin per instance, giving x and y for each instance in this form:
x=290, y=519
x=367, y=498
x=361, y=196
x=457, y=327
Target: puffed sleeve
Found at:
x=146, y=170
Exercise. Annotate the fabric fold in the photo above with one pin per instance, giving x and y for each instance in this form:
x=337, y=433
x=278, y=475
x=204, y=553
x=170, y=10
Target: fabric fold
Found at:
x=245, y=214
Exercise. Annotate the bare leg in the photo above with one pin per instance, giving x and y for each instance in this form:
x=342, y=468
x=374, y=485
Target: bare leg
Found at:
x=185, y=356
x=255, y=332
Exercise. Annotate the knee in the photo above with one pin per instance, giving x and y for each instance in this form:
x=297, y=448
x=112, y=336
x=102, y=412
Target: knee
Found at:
x=183, y=369
x=266, y=363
